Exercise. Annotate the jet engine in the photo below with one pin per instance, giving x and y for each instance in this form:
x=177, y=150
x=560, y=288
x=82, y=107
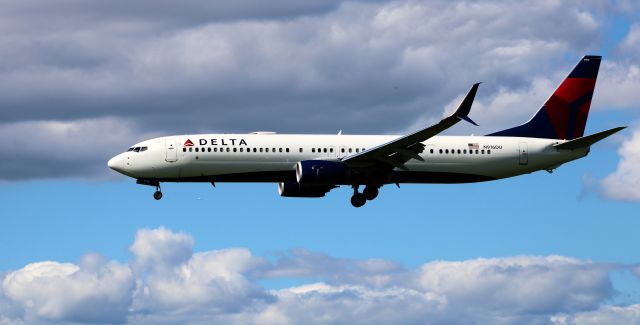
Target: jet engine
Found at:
x=321, y=172
x=293, y=189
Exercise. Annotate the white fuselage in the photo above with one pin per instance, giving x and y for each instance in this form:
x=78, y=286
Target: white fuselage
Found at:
x=273, y=157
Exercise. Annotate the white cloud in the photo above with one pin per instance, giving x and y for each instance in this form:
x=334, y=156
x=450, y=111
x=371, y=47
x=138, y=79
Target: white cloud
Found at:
x=67, y=292
x=160, y=250
x=164, y=284
x=176, y=279
x=624, y=182
x=630, y=45
x=617, y=87
x=519, y=284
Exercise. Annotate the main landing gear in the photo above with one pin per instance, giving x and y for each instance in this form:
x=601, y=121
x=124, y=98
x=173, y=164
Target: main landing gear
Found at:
x=359, y=199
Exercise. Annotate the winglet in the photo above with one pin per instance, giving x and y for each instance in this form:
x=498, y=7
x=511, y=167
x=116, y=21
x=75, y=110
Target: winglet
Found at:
x=465, y=107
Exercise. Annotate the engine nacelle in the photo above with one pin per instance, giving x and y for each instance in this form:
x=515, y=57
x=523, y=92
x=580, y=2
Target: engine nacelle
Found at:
x=293, y=189
x=321, y=172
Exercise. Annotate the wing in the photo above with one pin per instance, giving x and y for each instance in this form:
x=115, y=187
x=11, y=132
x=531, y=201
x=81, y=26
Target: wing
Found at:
x=397, y=152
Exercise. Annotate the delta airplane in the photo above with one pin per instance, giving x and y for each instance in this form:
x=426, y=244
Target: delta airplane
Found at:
x=311, y=165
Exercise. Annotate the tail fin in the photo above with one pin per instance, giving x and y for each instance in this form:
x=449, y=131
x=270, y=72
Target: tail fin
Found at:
x=565, y=113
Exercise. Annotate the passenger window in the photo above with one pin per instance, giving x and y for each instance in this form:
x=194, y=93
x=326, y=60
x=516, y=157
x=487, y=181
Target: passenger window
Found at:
x=325, y=150
x=458, y=151
x=476, y=151
x=209, y=149
x=228, y=149
x=464, y=151
x=440, y=151
x=330, y=149
x=350, y=150
x=260, y=149
x=431, y=151
x=266, y=149
x=255, y=150
x=342, y=150
x=488, y=152
x=184, y=149
x=190, y=149
x=357, y=149
x=446, y=151
x=287, y=150
x=300, y=149
x=313, y=150
x=273, y=149
x=241, y=149
x=482, y=151
x=215, y=149
x=235, y=149
x=197, y=149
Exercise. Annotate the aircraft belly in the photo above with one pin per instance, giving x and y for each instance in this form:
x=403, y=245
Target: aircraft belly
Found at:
x=210, y=168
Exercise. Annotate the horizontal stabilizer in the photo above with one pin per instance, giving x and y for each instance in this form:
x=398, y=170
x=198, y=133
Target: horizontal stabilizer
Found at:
x=587, y=141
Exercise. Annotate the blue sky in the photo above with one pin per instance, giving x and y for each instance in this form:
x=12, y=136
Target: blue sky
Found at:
x=62, y=204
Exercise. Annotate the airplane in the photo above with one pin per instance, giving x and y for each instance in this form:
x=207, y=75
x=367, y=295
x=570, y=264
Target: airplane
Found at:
x=309, y=166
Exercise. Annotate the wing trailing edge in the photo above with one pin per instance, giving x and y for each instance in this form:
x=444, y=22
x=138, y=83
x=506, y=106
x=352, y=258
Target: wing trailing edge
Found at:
x=395, y=153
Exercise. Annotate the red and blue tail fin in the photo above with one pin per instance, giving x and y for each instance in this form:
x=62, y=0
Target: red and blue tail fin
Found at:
x=564, y=115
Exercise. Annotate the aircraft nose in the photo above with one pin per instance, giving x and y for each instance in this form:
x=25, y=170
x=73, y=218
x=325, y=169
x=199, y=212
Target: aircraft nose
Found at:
x=115, y=163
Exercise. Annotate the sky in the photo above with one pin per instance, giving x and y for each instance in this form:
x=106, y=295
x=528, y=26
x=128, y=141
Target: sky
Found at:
x=81, y=81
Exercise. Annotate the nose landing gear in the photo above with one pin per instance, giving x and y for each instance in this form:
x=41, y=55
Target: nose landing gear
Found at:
x=158, y=193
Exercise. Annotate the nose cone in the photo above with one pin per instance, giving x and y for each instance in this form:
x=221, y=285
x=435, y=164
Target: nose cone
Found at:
x=115, y=163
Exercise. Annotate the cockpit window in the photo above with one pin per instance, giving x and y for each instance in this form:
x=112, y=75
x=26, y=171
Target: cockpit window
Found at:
x=137, y=149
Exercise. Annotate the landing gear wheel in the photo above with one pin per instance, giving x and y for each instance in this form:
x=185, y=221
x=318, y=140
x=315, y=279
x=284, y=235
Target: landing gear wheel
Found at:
x=358, y=200
x=370, y=192
x=157, y=195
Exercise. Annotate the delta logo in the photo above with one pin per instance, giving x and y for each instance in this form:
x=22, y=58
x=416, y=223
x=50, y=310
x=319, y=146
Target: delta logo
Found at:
x=188, y=143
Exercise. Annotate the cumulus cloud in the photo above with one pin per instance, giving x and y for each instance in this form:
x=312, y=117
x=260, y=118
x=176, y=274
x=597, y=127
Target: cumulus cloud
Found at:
x=162, y=285
x=617, y=88
x=624, y=182
x=68, y=292
x=290, y=67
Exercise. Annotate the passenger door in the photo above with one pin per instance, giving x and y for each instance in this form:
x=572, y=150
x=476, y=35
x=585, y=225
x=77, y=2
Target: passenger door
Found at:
x=171, y=150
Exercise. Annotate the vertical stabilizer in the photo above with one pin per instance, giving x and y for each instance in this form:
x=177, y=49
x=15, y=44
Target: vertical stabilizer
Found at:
x=564, y=114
